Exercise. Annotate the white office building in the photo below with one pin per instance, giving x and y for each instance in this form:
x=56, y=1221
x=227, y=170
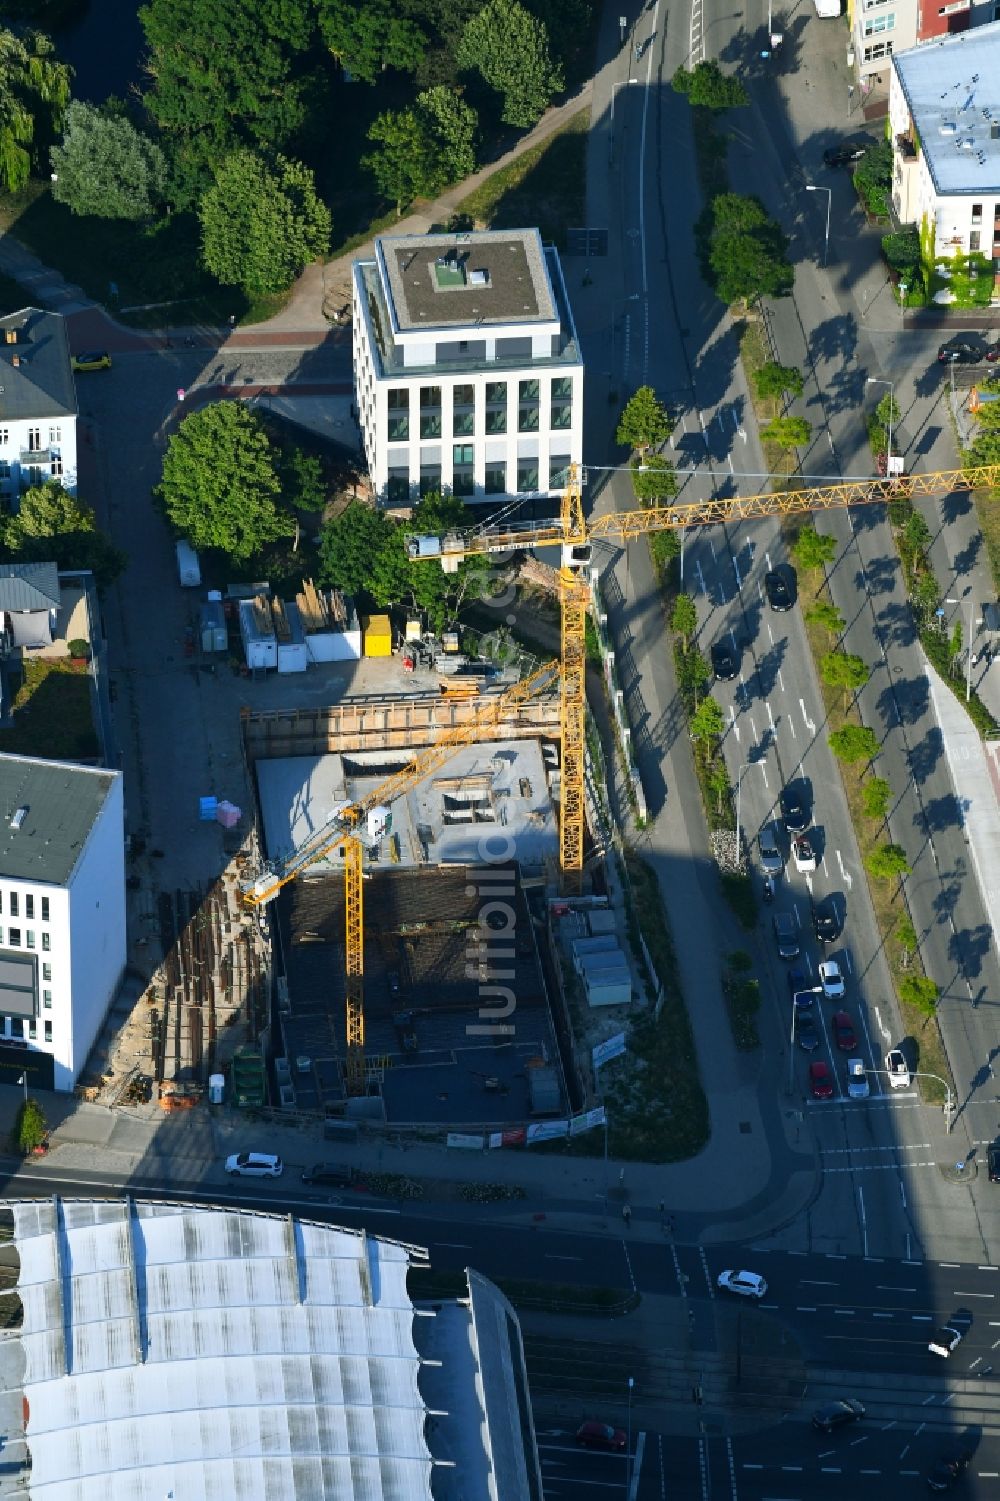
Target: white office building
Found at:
x=944, y=112
x=38, y=407
x=467, y=367
x=62, y=914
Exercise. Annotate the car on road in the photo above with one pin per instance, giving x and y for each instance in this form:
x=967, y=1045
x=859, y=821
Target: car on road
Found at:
x=960, y=352
x=328, y=1175
x=945, y=1341
x=786, y=931
x=857, y=1079
x=725, y=661
x=806, y=1031
x=820, y=1081
x=94, y=359
x=772, y=861
x=779, y=588
x=255, y=1165
x=948, y=1470
x=745, y=1284
x=804, y=855
x=843, y=1032
x=993, y=1161
x=837, y=1414
x=795, y=810
x=799, y=989
x=845, y=155
x=832, y=980
x=595, y=1435
x=826, y=922
x=898, y=1069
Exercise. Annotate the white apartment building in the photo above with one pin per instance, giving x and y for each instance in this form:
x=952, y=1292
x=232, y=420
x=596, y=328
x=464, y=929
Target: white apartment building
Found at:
x=944, y=114
x=62, y=914
x=467, y=368
x=38, y=407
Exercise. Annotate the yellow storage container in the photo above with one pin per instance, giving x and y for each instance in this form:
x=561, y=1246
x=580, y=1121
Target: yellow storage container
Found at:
x=377, y=635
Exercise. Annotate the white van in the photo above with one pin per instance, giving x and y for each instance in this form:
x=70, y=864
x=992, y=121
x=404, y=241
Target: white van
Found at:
x=188, y=566
x=255, y=1165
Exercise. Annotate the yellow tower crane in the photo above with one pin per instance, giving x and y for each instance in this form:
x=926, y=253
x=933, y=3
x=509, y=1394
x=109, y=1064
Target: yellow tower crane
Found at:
x=365, y=819
x=575, y=535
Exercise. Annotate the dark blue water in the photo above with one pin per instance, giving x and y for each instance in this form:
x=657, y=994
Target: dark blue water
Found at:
x=105, y=47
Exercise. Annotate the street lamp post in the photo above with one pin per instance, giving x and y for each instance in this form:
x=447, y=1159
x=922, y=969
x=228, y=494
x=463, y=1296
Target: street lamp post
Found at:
x=812, y=187
x=968, y=647
x=874, y=381
x=24, y=1080
x=949, y=1107
x=810, y=990
x=628, y=1444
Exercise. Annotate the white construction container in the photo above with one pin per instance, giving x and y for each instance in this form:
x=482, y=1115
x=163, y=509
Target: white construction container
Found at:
x=188, y=567
x=260, y=644
x=214, y=634
x=292, y=653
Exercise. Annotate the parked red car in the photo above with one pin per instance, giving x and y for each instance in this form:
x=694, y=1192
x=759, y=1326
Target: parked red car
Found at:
x=843, y=1031
x=594, y=1435
x=820, y=1082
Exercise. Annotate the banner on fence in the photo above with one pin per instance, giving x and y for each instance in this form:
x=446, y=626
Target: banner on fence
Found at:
x=468, y=1143
x=587, y=1121
x=548, y=1130
x=605, y=1051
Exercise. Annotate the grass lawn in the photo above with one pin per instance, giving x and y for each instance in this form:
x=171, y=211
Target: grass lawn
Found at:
x=781, y=464
x=988, y=512
x=52, y=712
x=545, y=186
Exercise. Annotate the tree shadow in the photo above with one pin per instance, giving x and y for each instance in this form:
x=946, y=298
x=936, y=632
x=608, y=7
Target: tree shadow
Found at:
x=942, y=813
x=881, y=575
x=896, y=625
x=909, y=698
x=923, y=757
x=955, y=504
x=969, y=947
x=966, y=560
x=769, y=665
x=926, y=441
x=946, y=899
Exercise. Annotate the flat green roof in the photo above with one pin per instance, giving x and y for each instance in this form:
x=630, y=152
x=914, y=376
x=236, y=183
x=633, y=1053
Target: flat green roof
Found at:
x=62, y=802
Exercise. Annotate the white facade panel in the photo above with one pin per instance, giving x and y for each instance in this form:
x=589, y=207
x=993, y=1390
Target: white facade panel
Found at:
x=97, y=935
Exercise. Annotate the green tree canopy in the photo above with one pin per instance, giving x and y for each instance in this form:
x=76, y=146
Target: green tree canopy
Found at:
x=853, y=743
x=653, y=478
x=349, y=544
x=684, y=620
x=694, y=673
x=706, y=85
x=921, y=993
x=220, y=486
x=825, y=614
x=423, y=148
x=985, y=446
x=34, y=92
x=773, y=379
x=906, y=937
x=261, y=225
x=644, y=422
x=509, y=48
x=839, y=669
x=707, y=722
x=369, y=37
x=30, y=1128
x=745, y=252
x=787, y=432
x=876, y=795
x=53, y=526
x=813, y=549
x=105, y=167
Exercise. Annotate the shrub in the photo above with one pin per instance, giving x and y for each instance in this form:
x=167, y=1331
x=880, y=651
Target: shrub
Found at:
x=78, y=647
x=30, y=1129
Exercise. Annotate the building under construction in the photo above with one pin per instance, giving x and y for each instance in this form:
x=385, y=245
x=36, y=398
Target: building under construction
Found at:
x=457, y=1021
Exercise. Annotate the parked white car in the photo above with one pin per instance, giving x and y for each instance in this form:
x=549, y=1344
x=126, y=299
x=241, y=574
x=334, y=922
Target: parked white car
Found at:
x=804, y=856
x=832, y=980
x=857, y=1079
x=898, y=1069
x=255, y=1165
x=746, y=1284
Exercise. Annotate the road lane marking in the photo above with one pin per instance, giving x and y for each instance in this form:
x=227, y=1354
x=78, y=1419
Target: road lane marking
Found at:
x=781, y=680
x=845, y=874
x=884, y=1288
x=806, y=1308
x=809, y=723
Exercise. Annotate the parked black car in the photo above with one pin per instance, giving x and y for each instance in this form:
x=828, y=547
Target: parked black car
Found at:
x=328, y=1175
x=826, y=922
x=845, y=155
x=779, y=586
x=725, y=661
x=960, y=352
x=837, y=1414
x=948, y=1471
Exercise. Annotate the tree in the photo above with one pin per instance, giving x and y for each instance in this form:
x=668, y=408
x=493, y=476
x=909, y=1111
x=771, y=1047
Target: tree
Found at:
x=644, y=422
x=30, y=1128
x=653, y=478
x=244, y=73
x=915, y=534
x=985, y=446
x=777, y=380
x=53, y=526
x=370, y=37
x=707, y=722
x=105, y=167
x=220, y=486
x=876, y=795
x=813, y=549
x=787, y=432
x=920, y=992
x=684, y=620
x=260, y=225
x=717, y=780
x=906, y=935
x=509, y=48
x=34, y=91
x=743, y=251
x=302, y=484
x=694, y=673
x=424, y=148
x=888, y=410
x=706, y=85
x=955, y=644
x=887, y=862
x=825, y=614
x=839, y=669
x=853, y=743
x=349, y=544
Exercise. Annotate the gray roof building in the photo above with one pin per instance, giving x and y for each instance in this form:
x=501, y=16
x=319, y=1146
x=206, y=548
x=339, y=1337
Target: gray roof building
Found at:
x=29, y=586
x=47, y=810
x=36, y=377
x=952, y=90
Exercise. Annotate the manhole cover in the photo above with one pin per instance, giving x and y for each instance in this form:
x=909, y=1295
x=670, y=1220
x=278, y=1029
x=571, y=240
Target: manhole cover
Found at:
x=745, y=1128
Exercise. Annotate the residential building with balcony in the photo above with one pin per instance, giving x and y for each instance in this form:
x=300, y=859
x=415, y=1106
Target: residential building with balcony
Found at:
x=944, y=115
x=467, y=368
x=882, y=29
x=38, y=406
x=62, y=915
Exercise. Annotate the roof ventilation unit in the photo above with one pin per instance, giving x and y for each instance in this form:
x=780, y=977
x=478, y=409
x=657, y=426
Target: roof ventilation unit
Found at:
x=948, y=128
x=17, y=818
